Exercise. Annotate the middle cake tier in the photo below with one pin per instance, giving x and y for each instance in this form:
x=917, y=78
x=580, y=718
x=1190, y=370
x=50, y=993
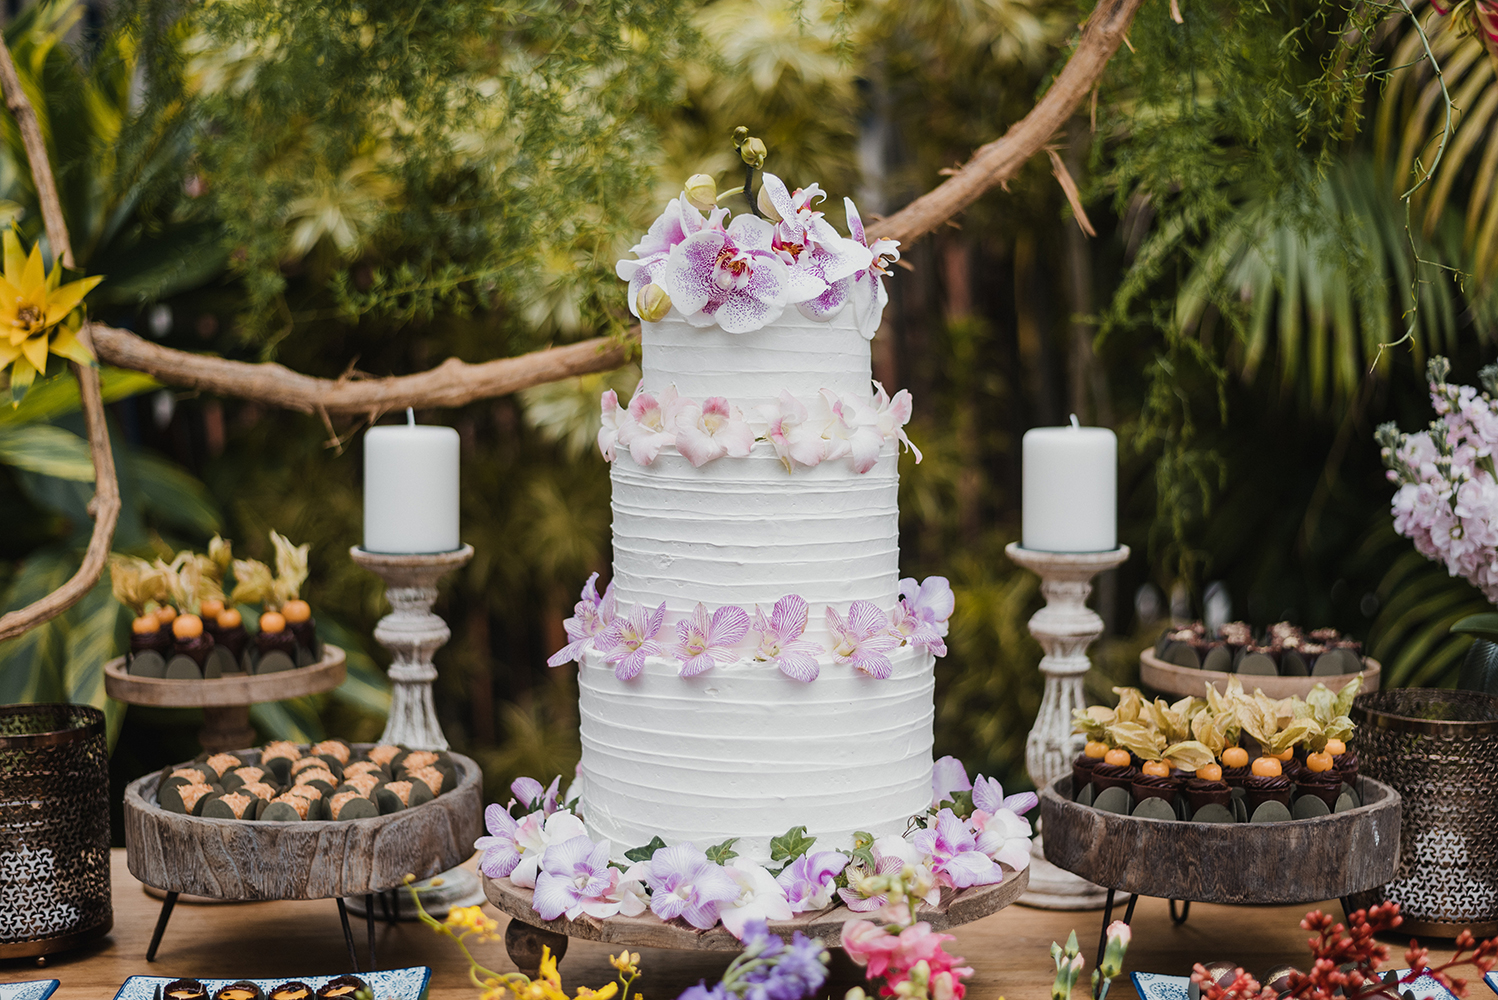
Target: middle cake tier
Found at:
x=746, y=532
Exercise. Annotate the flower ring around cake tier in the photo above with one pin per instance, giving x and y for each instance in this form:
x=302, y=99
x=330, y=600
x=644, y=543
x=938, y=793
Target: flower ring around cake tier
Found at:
x=805, y=433
x=966, y=838
x=863, y=639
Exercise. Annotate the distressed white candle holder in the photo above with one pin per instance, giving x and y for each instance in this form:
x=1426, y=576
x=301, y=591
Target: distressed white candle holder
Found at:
x=1065, y=627
x=412, y=633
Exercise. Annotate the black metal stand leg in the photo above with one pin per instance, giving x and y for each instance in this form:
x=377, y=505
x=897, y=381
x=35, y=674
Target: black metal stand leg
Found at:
x=369, y=924
x=1129, y=913
x=1102, y=938
x=385, y=899
x=166, y=914
x=348, y=935
x=1185, y=912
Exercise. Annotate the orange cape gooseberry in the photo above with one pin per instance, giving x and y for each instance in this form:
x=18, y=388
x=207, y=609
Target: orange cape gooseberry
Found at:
x=1268, y=767
x=1235, y=757
x=1158, y=768
x=229, y=618
x=211, y=609
x=145, y=625
x=187, y=627
x=1336, y=747
x=296, y=611
x=1283, y=755
x=1211, y=772
x=272, y=621
x=1095, y=749
x=1118, y=757
x=1319, y=762
x=165, y=614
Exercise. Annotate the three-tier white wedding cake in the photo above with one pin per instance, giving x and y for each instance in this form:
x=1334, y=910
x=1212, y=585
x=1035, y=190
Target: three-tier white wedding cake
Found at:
x=757, y=663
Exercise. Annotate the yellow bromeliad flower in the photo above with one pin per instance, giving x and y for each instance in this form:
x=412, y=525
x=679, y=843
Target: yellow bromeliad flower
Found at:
x=33, y=303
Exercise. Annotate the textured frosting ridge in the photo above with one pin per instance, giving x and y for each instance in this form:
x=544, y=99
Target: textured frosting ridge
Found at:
x=794, y=353
x=747, y=752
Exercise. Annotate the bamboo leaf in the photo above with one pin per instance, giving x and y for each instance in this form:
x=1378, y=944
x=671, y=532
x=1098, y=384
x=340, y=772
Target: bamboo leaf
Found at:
x=47, y=451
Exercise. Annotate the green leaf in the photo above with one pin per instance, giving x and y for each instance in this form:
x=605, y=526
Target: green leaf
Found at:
x=59, y=395
x=791, y=844
x=173, y=495
x=47, y=451
x=92, y=636
x=863, y=850
x=645, y=853
x=1484, y=626
x=720, y=853
x=31, y=663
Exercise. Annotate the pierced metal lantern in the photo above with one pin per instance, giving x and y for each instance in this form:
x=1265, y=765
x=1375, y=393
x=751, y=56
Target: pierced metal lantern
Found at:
x=54, y=828
x=1439, y=750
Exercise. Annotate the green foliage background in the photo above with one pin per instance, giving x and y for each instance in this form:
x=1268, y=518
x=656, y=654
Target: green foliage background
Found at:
x=376, y=186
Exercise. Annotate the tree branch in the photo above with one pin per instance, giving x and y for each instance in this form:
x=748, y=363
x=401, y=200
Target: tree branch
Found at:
x=454, y=383
x=105, y=506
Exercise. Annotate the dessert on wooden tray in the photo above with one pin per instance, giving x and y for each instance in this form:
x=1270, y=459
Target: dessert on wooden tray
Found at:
x=1281, y=650
x=1220, y=759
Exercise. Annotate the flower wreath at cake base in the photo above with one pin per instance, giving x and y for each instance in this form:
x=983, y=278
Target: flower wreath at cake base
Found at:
x=537, y=841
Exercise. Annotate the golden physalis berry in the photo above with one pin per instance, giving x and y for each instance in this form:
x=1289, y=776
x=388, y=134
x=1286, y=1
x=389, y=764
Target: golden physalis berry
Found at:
x=1268, y=767
x=145, y=625
x=229, y=618
x=1235, y=757
x=1318, y=762
x=1118, y=757
x=165, y=614
x=187, y=627
x=272, y=621
x=1158, y=768
x=1336, y=747
x=1283, y=755
x=1095, y=749
x=1211, y=772
x=211, y=609
x=296, y=611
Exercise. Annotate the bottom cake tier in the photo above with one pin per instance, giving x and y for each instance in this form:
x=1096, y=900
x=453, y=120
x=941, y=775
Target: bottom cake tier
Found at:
x=746, y=752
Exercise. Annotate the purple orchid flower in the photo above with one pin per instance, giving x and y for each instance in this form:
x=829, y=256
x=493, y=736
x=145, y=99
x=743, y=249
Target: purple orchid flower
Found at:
x=921, y=616
x=780, y=639
x=891, y=416
x=948, y=776
x=809, y=880
x=886, y=864
x=863, y=639
x=794, y=434
x=531, y=796
x=574, y=873
x=822, y=261
x=703, y=643
x=679, y=220
x=628, y=641
x=615, y=426
x=651, y=425
x=989, y=796
x=868, y=293
x=590, y=619
x=501, y=853
x=954, y=853
x=683, y=883
x=729, y=277
x=710, y=431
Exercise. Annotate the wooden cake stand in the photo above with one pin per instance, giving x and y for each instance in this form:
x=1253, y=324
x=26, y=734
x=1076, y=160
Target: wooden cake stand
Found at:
x=527, y=933
x=1171, y=678
x=239, y=860
x=1296, y=861
x=225, y=701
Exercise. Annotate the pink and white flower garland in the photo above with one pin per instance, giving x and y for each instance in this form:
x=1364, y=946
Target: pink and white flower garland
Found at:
x=740, y=275
x=828, y=428
x=704, y=641
x=547, y=849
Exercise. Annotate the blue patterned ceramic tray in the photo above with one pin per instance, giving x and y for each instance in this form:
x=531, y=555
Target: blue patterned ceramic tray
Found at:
x=34, y=989
x=1492, y=980
x=388, y=984
x=1153, y=986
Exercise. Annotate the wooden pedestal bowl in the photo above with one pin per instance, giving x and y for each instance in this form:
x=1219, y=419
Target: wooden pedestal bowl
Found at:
x=1296, y=861
x=239, y=860
x=1173, y=679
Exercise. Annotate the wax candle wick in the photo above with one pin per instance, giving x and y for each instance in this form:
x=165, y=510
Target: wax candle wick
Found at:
x=411, y=417
x=1074, y=422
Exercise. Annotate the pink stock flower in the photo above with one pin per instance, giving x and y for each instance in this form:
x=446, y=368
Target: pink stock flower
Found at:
x=868, y=294
x=729, y=277
x=710, y=431
x=863, y=639
x=679, y=220
x=953, y=850
x=893, y=958
x=822, y=261
x=780, y=639
x=591, y=617
x=703, y=643
x=652, y=424
x=628, y=641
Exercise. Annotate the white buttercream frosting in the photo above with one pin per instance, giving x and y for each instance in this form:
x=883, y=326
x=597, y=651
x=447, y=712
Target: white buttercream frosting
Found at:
x=746, y=752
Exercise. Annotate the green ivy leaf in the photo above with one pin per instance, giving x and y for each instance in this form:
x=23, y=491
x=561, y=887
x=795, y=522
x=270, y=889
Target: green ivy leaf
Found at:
x=644, y=853
x=790, y=845
x=961, y=804
x=863, y=850
x=724, y=852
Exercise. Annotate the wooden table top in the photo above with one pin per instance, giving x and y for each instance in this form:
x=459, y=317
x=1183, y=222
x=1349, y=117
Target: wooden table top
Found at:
x=1009, y=950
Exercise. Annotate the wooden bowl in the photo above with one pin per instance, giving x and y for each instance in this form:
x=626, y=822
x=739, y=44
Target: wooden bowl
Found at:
x=1170, y=678
x=243, y=689
x=1296, y=861
x=240, y=860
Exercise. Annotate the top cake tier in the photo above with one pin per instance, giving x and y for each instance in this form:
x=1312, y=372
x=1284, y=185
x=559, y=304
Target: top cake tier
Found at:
x=794, y=354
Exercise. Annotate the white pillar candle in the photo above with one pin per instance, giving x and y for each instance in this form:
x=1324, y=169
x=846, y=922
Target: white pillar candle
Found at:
x=1070, y=489
x=410, y=488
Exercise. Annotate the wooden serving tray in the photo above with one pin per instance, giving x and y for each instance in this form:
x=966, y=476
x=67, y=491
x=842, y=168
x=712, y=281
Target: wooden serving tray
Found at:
x=1296, y=861
x=1181, y=681
x=222, y=692
x=243, y=860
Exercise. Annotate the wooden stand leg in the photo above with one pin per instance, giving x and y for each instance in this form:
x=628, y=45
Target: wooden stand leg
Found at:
x=226, y=728
x=523, y=943
x=166, y=914
x=348, y=935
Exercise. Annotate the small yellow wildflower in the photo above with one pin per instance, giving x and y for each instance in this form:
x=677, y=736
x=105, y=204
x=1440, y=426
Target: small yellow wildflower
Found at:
x=32, y=303
x=625, y=962
x=583, y=993
x=471, y=920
